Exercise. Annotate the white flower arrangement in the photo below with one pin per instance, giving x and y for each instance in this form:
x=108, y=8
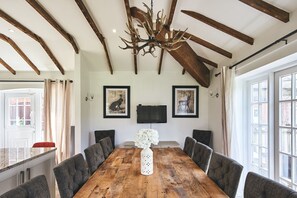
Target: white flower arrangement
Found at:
x=146, y=137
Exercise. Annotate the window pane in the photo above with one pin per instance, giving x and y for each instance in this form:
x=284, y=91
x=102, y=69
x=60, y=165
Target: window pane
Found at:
x=12, y=123
x=295, y=170
x=255, y=114
x=21, y=112
x=285, y=166
x=264, y=136
x=12, y=112
x=285, y=140
x=264, y=158
x=28, y=101
x=255, y=155
x=263, y=91
x=21, y=101
x=28, y=112
x=255, y=92
x=28, y=123
x=286, y=87
x=263, y=113
x=295, y=143
x=12, y=101
x=255, y=135
x=295, y=113
x=285, y=114
x=295, y=91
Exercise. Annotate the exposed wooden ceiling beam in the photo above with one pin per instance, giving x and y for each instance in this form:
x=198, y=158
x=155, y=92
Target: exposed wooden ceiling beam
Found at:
x=37, y=38
x=208, y=45
x=20, y=52
x=53, y=22
x=209, y=62
x=2, y=62
x=93, y=25
x=204, y=60
x=220, y=26
x=170, y=18
x=185, y=55
x=268, y=9
x=128, y=12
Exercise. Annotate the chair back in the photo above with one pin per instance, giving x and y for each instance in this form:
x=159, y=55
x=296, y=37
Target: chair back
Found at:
x=258, y=186
x=100, y=134
x=70, y=175
x=36, y=187
x=225, y=172
x=189, y=146
x=106, y=146
x=202, y=155
x=202, y=136
x=94, y=157
x=43, y=144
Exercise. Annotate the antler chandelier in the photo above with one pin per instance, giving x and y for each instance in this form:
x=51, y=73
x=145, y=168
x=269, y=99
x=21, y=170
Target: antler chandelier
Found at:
x=158, y=33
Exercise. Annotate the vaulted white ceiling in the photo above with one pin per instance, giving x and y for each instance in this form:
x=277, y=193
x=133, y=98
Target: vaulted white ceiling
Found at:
x=110, y=15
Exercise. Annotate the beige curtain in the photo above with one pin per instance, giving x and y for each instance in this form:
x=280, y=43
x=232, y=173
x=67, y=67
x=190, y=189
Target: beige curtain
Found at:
x=57, y=116
x=227, y=82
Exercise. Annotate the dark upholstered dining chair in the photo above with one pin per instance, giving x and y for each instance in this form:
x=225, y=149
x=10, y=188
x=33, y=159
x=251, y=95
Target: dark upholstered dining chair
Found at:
x=262, y=187
x=225, y=172
x=189, y=146
x=70, y=175
x=106, y=146
x=202, y=136
x=202, y=155
x=100, y=134
x=94, y=157
x=36, y=187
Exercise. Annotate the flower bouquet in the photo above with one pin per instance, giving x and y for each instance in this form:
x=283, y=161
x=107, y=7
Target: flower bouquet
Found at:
x=146, y=137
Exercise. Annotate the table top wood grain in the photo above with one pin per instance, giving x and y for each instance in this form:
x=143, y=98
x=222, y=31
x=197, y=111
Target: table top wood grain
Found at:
x=175, y=175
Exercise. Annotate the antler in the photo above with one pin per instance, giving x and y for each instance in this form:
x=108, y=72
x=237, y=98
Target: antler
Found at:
x=153, y=30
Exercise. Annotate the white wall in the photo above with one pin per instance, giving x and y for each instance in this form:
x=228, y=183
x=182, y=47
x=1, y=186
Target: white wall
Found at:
x=215, y=112
x=147, y=88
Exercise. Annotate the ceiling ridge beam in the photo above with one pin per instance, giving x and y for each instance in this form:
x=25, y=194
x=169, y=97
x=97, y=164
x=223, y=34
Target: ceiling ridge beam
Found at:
x=129, y=17
x=93, y=25
x=20, y=52
x=170, y=18
x=268, y=9
x=34, y=36
x=208, y=45
x=2, y=62
x=220, y=26
x=54, y=23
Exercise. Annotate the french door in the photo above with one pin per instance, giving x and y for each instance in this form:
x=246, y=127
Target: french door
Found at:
x=22, y=119
x=286, y=127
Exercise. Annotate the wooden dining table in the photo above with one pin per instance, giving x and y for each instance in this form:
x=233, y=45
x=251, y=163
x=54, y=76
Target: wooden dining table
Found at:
x=175, y=175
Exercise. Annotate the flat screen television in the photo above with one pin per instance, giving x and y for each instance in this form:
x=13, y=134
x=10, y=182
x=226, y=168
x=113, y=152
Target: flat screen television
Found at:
x=151, y=114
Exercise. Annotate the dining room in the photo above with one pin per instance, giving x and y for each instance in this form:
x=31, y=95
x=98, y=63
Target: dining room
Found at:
x=71, y=68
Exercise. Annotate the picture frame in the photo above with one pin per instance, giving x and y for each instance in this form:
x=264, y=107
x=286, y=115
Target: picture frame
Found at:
x=116, y=101
x=185, y=101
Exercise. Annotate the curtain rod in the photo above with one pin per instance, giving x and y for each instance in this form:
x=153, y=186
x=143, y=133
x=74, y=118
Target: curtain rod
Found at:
x=29, y=81
x=261, y=50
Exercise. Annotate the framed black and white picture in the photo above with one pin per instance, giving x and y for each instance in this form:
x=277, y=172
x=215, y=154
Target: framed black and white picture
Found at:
x=185, y=101
x=116, y=102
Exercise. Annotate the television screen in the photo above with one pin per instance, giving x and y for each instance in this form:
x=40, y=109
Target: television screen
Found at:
x=151, y=114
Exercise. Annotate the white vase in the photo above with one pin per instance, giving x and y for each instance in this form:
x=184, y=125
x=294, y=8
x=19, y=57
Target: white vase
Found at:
x=146, y=160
